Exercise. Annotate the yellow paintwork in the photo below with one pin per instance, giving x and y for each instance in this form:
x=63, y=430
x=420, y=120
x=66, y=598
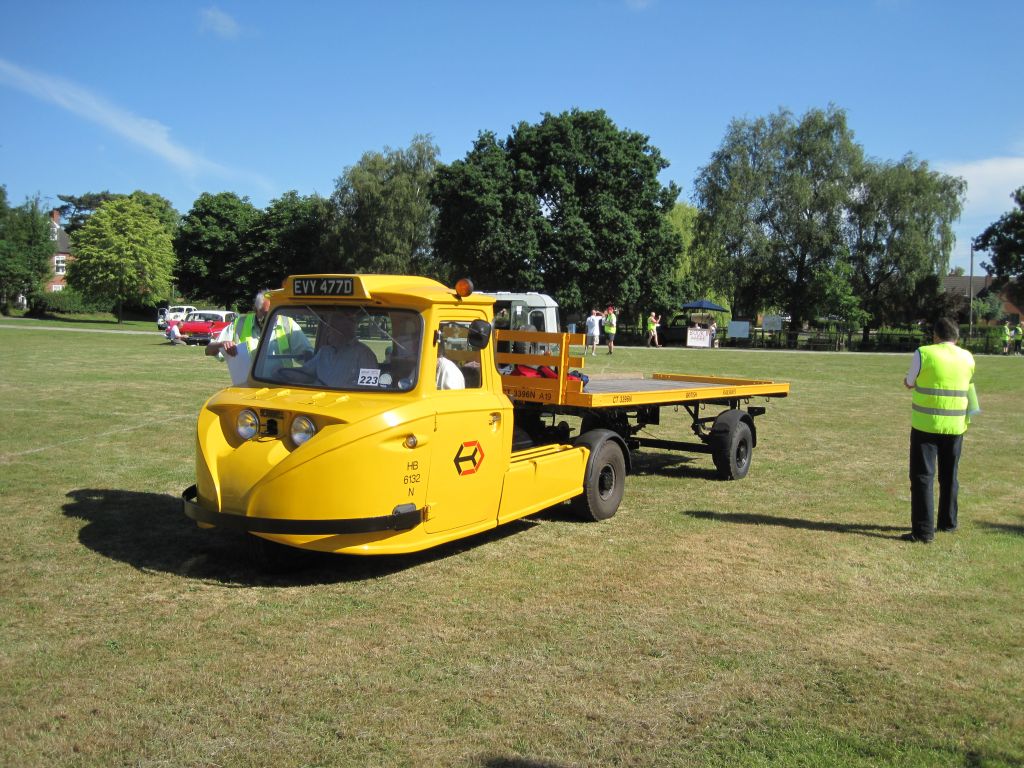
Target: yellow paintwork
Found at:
x=359, y=466
x=447, y=454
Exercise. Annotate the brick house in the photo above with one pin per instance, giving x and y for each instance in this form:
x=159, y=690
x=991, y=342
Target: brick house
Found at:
x=964, y=285
x=61, y=253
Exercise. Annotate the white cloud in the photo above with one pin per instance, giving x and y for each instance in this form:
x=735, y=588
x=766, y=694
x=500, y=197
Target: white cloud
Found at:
x=989, y=184
x=151, y=135
x=214, y=20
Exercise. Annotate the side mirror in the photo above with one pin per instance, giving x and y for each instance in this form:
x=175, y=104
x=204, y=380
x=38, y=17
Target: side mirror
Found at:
x=479, y=334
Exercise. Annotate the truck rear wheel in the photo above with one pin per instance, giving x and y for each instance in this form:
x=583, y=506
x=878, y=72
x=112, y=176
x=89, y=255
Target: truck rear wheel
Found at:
x=603, y=482
x=733, y=452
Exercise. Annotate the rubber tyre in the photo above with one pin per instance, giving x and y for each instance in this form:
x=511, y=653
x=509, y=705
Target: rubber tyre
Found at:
x=732, y=457
x=603, y=483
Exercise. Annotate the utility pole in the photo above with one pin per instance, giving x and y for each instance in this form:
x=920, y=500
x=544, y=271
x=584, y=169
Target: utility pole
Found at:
x=970, y=296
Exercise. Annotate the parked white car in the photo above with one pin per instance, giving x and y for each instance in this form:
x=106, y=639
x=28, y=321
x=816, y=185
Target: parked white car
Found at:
x=178, y=312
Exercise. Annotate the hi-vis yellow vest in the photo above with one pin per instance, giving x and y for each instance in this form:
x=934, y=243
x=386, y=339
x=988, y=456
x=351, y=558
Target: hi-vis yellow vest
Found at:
x=942, y=389
x=244, y=334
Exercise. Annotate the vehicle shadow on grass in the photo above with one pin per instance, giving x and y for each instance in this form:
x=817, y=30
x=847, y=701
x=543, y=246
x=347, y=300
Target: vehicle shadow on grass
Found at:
x=518, y=762
x=674, y=465
x=1017, y=530
x=150, y=532
x=749, y=518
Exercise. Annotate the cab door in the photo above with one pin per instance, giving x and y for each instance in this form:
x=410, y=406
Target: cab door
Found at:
x=472, y=438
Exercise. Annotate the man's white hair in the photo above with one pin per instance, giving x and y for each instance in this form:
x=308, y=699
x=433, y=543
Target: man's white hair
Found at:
x=261, y=296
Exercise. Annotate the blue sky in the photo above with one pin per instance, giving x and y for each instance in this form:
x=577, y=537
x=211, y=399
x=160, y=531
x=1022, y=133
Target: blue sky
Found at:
x=259, y=98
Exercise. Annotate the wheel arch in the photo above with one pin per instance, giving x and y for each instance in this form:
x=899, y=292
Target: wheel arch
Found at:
x=726, y=421
x=595, y=438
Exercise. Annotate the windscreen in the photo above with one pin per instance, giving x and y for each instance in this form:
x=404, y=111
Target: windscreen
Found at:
x=353, y=347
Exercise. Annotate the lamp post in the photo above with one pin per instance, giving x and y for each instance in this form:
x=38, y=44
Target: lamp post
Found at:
x=970, y=296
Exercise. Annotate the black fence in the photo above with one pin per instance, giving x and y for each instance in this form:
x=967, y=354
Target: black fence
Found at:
x=878, y=341
x=986, y=341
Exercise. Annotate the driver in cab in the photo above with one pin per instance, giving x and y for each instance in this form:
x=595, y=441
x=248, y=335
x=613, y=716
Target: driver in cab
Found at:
x=341, y=357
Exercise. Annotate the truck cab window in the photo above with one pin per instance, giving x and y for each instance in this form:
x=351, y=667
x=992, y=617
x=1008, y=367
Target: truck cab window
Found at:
x=458, y=363
x=349, y=347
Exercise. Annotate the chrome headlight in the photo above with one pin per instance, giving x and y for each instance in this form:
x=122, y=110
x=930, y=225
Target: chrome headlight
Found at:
x=303, y=428
x=247, y=424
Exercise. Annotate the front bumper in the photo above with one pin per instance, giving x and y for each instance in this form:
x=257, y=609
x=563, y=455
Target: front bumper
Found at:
x=403, y=518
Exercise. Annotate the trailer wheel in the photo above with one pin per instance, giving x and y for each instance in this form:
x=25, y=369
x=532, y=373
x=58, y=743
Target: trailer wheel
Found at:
x=603, y=482
x=734, y=451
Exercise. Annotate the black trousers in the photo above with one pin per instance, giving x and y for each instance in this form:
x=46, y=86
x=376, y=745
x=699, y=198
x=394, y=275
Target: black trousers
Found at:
x=929, y=453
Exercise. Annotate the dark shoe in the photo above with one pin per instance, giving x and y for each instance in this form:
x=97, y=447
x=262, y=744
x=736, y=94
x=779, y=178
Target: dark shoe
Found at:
x=914, y=539
x=949, y=530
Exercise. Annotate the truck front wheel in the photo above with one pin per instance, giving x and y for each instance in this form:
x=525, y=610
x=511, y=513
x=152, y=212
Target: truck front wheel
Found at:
x=603, y=482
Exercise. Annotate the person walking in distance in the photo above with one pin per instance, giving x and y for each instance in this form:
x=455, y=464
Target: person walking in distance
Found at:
x=652, y=330
x=610, y=321
x=942, y=377
x=593, y=330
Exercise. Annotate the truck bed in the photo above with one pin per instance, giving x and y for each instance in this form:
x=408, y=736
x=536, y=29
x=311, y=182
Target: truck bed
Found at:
x=552, y=349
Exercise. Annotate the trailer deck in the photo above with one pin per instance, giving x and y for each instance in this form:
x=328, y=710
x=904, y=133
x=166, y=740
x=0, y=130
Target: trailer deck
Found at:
x=659, y=389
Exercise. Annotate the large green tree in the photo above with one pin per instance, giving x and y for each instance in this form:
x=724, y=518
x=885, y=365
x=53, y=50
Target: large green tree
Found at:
x=292, y=236
x=773, y=200
x=209, y=247
x=691, y=279
x=26, y=248
x=78, y=208
x=487, y=220
x=122, y=253
x=160, y=208
x=571, y=205
x=900, y=232
x=1004, y=240
x=384, y=216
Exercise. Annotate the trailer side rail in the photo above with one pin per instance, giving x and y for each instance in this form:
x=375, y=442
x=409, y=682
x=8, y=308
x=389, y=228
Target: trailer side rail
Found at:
x=552, y=350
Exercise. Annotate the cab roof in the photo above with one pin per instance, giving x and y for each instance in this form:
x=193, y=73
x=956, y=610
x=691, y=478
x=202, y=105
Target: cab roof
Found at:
x=397, y=290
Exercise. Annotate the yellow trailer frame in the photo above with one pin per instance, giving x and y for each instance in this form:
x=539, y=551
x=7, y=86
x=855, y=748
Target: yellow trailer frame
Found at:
x=659, y=389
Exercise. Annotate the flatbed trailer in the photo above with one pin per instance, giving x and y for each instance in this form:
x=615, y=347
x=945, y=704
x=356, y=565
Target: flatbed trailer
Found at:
x=628, y=405
x=438, y=434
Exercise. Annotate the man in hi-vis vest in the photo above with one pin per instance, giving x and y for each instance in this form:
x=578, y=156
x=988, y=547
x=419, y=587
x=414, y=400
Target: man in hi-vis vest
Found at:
x=609, y=327
x=245, y=331
x=942, y=377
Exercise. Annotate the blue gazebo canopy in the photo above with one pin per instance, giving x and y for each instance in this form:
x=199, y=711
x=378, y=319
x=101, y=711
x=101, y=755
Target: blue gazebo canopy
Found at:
x=703, y=304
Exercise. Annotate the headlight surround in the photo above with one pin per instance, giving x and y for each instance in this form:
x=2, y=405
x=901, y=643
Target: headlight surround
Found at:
x=302, y=429
x=247, y=424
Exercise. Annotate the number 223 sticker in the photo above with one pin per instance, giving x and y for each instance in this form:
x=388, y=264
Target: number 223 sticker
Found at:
x=368, y=377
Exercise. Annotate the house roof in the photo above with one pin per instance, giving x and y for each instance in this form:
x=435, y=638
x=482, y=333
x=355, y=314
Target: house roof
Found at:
x=964, y=285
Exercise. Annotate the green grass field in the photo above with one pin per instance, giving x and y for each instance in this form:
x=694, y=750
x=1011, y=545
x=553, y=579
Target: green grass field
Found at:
x=775, y=621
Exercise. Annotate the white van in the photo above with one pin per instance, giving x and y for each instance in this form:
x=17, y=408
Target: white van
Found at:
x=177, y=312
x=525, y=311
x=530, y=311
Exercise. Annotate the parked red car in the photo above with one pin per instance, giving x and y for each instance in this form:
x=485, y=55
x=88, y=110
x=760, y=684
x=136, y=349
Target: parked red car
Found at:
x=203, y=326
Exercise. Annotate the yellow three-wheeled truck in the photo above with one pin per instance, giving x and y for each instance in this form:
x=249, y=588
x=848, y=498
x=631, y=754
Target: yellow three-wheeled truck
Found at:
x=382, y=415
